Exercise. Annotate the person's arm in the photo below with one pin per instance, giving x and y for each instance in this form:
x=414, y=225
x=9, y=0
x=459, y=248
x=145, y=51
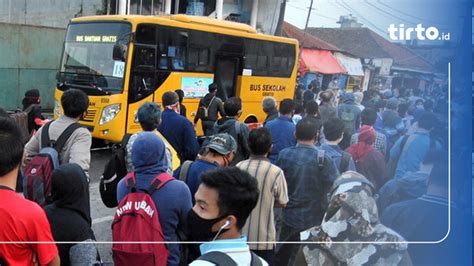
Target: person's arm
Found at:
x=191, y=146
x=128, y=152
x=55, y=262
x=220, y=105
x=280, y=191
x=80, y=151
x=395, y=150
x=32, y=148
x=197, y=116
x=352, y=166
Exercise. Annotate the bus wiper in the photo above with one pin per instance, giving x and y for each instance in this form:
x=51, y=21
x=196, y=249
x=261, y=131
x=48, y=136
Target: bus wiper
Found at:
x=82, y=86
x=81, y=69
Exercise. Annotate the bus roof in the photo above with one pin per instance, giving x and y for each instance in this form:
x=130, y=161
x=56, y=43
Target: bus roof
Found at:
x=191, y=22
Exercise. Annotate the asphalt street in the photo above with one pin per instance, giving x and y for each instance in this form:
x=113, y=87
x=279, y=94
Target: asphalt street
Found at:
x=101, y=215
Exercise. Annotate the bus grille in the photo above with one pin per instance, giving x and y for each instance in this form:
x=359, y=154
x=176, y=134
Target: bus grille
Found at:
x=89, y=117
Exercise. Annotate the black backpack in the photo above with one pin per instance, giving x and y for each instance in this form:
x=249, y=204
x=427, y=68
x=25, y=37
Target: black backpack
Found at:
x=243, y=151
x=345, y=160
x=114, y=170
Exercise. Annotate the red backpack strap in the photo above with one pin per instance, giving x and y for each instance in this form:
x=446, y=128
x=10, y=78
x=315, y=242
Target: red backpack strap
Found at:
x=159, y=182
x=130, y=182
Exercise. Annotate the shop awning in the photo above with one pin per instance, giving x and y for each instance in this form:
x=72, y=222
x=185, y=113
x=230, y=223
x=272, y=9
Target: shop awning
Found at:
x=319, y=61
x=351, y=64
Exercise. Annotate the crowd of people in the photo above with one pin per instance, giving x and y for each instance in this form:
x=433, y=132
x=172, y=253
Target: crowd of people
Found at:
x=328, y=167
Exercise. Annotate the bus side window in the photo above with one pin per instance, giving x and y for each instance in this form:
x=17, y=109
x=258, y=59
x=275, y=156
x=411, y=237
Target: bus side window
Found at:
x=177, y=52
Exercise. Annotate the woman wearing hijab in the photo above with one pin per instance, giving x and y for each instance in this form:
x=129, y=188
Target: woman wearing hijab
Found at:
x=173, y=200
x=352, y=216
x=69, y=214
x=369, y=161
x=31, y=105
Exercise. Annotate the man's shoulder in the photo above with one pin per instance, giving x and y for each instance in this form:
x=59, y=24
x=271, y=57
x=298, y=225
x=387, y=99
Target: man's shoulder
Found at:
x=23, y=208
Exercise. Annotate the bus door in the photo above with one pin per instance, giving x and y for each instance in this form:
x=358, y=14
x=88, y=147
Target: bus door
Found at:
x=225, y=75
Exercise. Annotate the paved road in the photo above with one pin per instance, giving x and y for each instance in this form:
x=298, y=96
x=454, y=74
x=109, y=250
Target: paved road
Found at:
x=101, y=215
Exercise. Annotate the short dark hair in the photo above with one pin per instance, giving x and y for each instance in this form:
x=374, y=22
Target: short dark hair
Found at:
x=368, y=116
x=237, y=190
x=299, y=108
x=74, y=102
x=232, y=106
x=180, y=95
x=427, y=120
x=12, y=145
x=260, y=141
x=169, y=98
x=212, y=87
x=311, y=108
x=149, y=116
x=333, y=129
x=307, y=129
x=326, y=96
x=287, y=106
x=428, y=105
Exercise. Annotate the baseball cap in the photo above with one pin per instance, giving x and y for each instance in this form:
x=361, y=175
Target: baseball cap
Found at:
x=222, y=143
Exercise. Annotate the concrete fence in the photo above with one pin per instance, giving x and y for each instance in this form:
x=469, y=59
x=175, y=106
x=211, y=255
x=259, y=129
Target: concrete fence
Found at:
x=29, y=58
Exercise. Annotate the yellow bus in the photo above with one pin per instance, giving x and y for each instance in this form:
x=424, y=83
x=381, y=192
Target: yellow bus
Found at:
x=123, y=61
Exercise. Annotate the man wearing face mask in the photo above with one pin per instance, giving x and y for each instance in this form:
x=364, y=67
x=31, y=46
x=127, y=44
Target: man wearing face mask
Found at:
x=224, y=201
x=177, y=130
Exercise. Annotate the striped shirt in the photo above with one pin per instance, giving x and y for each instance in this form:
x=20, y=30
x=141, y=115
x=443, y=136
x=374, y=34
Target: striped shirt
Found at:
x=260, y=225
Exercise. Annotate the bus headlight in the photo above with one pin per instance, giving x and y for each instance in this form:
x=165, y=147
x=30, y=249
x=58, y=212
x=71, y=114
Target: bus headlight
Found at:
x=57, y=109
x=109, y=113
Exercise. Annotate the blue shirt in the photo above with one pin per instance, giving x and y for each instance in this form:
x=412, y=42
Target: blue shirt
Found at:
x=308, y=185
x=335, y=153
x=414, y=152
x=283, y=135
x=173, y=201
x=196, y=169
x=180, y=134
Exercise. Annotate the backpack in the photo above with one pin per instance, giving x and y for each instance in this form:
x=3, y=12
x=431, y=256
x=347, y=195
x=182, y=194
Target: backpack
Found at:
x=345, y=160
x=393, y=163
x=21, y=119
x=183, y=172
x=243, y=151
x=222, y=259
x=203, y=111
x=137, y=220
x=114, y=170
x=348, y=118
x=38, y=172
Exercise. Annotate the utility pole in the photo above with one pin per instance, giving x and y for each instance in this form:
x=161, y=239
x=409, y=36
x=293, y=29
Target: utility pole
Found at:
x=306, y=25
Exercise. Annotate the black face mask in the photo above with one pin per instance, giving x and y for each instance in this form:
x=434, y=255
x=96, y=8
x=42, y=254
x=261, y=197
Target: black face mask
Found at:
x=200, y=229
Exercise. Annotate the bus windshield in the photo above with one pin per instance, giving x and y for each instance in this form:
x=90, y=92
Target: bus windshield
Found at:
x=87, y=61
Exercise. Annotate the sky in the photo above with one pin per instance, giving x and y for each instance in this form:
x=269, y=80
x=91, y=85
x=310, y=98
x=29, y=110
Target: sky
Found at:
x=378, y=14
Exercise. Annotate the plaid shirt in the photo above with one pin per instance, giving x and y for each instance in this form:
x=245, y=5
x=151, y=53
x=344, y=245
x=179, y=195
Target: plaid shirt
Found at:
x=308, y=185
x=380, y=143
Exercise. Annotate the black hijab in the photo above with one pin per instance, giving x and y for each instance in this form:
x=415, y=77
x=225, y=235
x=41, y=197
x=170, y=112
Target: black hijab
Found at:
x=69, y=214
x=70, y=190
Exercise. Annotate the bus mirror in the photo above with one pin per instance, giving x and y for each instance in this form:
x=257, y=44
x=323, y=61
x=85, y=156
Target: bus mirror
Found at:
x=119, y=52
